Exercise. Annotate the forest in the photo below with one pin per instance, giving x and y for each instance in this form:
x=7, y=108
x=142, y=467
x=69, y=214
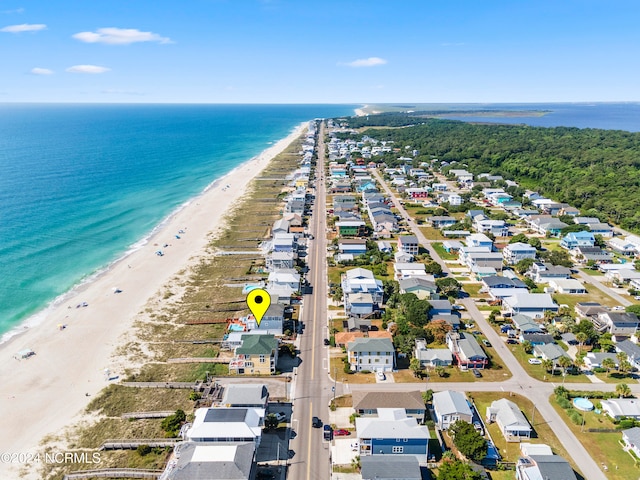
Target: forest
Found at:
x=596, y=171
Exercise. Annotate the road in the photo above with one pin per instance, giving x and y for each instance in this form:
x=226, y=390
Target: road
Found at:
x=538, y=392
x=312, y=384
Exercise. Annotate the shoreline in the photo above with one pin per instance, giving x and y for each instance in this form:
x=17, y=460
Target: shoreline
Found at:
x=45, y=393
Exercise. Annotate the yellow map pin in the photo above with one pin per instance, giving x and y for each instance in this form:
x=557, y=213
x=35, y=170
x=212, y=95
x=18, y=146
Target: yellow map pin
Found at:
x=258, y=301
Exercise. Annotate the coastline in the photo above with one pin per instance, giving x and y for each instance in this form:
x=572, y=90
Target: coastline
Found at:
x=45, y=393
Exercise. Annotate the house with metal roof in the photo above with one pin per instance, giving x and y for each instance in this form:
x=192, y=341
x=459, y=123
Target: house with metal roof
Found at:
x=533, y=305
x=392, y=433
x=549, y=351
x=408, y=244
x=367, y=403
x=514, y=252
x=512, y=422
x=419, y=286
x=450, y=406
x=216, y=424
x=632, y=350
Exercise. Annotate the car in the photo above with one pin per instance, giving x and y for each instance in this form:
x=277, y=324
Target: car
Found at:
x=341, y=433
x=316, y=422
x=327, y=432
x=380, y=374
x=265, y=474
x=511, y=341
x=476, y=373
x=281, y=416
x=619, y=308
x=637, y=297
x=476, y=332
x=535, y=361
x=327, y=342
x=486, y=342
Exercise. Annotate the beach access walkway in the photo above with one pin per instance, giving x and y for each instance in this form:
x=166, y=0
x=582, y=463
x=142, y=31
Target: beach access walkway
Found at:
x=113, y=473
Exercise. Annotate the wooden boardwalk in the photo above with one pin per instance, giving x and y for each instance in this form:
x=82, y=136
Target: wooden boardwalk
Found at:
x=185, y=385
x=133, y=443
x=158, y=414
x=198, y=360
x=114, y=473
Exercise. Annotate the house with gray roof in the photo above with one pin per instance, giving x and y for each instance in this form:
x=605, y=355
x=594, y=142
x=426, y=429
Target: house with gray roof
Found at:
x=631, y=440
x=450, y=406
x=385, y=468
x=549, y=351
x=533, y=305
x=619, y=408
x=432, y=357
x=466, y=350
x=245, y=395
x=543, y=467
x=367, y=403
x=419, y=286
x=594, y=359
x=372, y=354
x=620, y=325
x=512, y=422
x=225, y=461
x=227, y=425
x=392, y=433
x=497, y=281
x=632, y=350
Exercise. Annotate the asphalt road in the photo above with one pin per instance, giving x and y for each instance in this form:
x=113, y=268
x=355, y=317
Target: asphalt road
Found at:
x=520, y=382
x=312, y=384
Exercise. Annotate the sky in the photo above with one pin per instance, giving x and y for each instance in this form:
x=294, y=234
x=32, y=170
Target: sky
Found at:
x=331, y=51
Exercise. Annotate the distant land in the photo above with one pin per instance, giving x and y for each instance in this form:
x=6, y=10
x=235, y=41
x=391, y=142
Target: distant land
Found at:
x=448, y=110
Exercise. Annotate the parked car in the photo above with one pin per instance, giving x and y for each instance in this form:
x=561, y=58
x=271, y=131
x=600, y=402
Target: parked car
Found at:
x=327, y=432
x=535, y=361
x=511, y=341
x=341, y=433
x=476, y=332
x=486, y=342
x=476, y=373
x=327, y=342
x=316, y=422
x=281, y=416
x=380, y=374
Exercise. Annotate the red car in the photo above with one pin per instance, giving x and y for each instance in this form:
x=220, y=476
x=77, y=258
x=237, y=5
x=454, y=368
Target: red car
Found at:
x=341, y=433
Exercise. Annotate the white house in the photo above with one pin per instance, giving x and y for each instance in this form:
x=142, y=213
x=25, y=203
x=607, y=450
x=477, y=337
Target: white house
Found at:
x=514, y=252
x=631, y=439
x=432, y=357
x=217, y=424
x=450, y=406
x=512, y=422
x=618, y=408
x=372, y=354
x=567, y=285
x=533, y=305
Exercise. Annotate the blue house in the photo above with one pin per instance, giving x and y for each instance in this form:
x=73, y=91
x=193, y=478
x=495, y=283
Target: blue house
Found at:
x=392, y=433
x=578, y=239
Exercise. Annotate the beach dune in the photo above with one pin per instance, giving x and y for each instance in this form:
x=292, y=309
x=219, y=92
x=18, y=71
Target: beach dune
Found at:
x=75, y=345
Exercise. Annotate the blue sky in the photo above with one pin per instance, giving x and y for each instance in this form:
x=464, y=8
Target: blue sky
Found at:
x=331, y=51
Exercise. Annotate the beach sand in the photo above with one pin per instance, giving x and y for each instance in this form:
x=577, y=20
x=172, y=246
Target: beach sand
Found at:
x=47, y=392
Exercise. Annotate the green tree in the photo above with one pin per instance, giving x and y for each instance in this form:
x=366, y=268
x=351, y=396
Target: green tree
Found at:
x=449, y=286
x=623, y=390
x=440, y=371
x=633, y=309
x=415, y=366
x=270, y=421
x=565, y=363
x=468, y=440
x=535, y=243
x=172, y=424
x=527, y=346
x=581, y=337
x=457, y=470
x=609, y=364
x=433, y=268
x=519, y=238
x=605, y=341
x=547, y=365
x=523, y=265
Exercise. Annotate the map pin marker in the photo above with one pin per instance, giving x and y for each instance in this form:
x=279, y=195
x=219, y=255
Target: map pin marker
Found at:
x=258, y=301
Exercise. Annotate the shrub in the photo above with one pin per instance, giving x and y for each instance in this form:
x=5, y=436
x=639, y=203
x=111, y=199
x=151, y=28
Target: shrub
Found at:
x=564, y=403
x=143, y=450
x=575, y=417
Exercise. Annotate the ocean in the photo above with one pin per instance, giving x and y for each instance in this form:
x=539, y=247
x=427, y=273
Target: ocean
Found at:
x=607, y=116
x=83, y=185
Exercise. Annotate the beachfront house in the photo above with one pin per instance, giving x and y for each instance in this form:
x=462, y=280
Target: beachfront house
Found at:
x=371, y=354
x=450, y=406
x=512, y=422
x=226, y=425
x=213, y=461
x=244, y=395
x=257, y=355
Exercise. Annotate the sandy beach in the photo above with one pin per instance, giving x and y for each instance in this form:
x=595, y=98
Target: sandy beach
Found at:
x=49, y=391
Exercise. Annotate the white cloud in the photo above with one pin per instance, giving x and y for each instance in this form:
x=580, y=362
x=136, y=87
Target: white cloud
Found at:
x=9, y=12
x=25, y=27
x=119, y=36
x=41, y=71
x=365, y=62
x=87, y=69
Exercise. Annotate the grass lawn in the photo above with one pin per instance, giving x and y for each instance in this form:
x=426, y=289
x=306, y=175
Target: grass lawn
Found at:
x=337, y=368
x=437, y=246
x=594, y=295
x=505, y=475
x=432, y=233
x=603, y=447
x=473, y=289
x=593, y=273
x=539, y=373
x=542, y=431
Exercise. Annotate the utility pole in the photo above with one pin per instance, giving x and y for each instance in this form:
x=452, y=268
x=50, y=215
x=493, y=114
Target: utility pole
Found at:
x=335, y=379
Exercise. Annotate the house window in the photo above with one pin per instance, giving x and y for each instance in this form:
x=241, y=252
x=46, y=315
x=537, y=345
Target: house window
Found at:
x=397, y=449
x=262, y=358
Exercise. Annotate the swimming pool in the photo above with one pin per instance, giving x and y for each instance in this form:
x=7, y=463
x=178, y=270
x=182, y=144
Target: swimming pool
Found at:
x=583, y=404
